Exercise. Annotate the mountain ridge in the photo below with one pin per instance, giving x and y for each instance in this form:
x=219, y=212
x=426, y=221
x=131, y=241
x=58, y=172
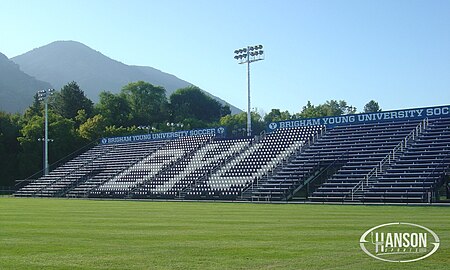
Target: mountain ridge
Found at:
x=61, y=62
x=17, y=88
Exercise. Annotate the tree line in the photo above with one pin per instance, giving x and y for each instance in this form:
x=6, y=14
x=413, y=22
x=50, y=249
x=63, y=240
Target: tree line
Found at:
x=140, y=107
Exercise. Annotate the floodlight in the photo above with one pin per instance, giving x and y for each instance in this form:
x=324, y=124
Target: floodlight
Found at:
x=248, y=55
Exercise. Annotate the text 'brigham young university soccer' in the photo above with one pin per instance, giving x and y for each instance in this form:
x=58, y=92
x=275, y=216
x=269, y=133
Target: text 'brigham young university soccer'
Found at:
x=409, y=114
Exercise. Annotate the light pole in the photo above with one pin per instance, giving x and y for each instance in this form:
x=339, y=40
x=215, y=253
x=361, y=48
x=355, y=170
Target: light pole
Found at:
x=249, y=55
x=43, y=95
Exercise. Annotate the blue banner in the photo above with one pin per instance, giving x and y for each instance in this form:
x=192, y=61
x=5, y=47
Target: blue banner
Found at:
x=398, y=115
x=218, y=132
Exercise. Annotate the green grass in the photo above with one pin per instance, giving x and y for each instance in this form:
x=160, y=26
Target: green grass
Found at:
x=84, y=234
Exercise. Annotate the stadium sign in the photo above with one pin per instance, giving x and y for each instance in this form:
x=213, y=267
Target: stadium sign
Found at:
x=219, y=132
x=399, y=242
x=398, y=115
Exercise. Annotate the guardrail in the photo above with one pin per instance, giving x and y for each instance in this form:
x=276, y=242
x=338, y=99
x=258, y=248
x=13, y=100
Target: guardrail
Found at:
x=304, y=145
x=441, y=169
x=6, y=190
x=286, y=160
x=68, y=173
x=390, y=157
x=341, y=159
x=58, y=163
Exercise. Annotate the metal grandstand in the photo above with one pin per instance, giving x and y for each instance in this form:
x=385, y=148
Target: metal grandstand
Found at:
x=396, y=156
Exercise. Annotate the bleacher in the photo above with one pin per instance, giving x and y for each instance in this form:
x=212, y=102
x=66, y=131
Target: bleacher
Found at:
x=112, y=164
x=72, y=170
x=414, y=175
x=80, y=175
x=242, y=172
x=351, y=150
x=189, y=172
x=154, y=171
x=365, y=146
x=351, y=159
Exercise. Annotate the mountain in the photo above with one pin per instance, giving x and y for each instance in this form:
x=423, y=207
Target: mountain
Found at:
x=61, y=62
x=17, y=89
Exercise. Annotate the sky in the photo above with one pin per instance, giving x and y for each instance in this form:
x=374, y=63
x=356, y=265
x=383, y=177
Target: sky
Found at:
x=396, y=52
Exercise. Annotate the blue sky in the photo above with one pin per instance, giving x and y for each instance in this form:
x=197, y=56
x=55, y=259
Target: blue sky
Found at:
x=396, y=52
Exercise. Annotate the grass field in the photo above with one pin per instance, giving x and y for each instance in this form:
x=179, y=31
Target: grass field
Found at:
x=85, y=234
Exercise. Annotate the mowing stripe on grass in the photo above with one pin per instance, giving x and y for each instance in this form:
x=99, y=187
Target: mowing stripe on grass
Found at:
x=86, y=234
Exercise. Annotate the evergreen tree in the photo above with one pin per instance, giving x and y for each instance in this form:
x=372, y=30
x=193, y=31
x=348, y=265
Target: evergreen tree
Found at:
x=371, y=107
x=70, y=100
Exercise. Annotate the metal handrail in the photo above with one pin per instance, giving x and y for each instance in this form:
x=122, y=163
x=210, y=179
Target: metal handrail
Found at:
x=164, y=169
x=68, y=173
x=296, y=152
x=219, y=164
x=283, y=162
x=390, y=156
x=304, y=145
x=436, y=168
x=67, y=158
x=314, y=169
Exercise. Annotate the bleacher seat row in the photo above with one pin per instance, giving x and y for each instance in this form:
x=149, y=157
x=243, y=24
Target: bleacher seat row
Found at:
x=273, y=167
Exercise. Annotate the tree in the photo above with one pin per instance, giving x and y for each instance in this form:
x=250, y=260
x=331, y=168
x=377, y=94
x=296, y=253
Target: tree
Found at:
x=147, y=103
x=371, y=107
x=308, y=111
x=9, y=148
x=114, y=108
x=335, y=108
x=276, y=115
x=329, y=108
x=93, y=128
x=113, y=131
x=81, y=117
x=236, y=125
x=70, y=100
x=30, y=154
x=225, y=110
x=36, y=108
x=257, y=123
x=62, y=136
x=193, y=103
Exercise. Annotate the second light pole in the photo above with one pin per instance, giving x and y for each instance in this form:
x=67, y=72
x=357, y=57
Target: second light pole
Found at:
x=43, y=95
x=249, y=55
